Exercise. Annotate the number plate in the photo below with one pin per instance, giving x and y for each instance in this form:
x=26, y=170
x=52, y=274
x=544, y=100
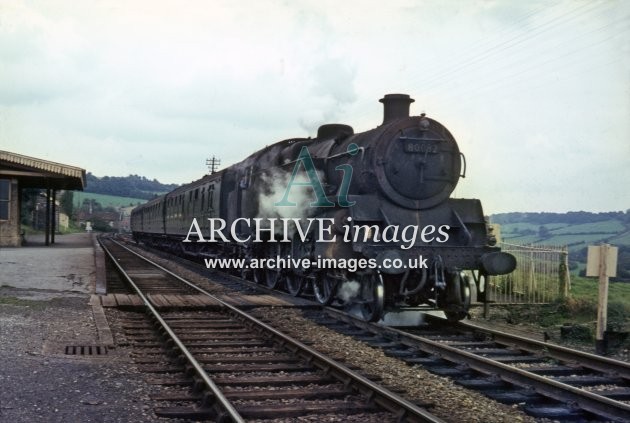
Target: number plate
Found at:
x=422, y=147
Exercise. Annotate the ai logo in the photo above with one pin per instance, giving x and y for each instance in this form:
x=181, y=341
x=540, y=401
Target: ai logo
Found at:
x=305, y=159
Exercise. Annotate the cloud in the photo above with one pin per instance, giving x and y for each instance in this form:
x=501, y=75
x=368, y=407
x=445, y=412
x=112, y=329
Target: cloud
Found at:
x=536, y=95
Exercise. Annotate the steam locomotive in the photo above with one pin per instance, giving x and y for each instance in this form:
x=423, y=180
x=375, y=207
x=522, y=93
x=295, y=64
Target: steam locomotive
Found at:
x=367, y=218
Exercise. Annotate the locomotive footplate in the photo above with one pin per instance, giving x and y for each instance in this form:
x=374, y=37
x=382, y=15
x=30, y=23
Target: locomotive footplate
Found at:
x=392, y=261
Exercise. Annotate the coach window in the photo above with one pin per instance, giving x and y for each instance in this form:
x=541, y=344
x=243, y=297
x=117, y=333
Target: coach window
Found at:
x=5, y=198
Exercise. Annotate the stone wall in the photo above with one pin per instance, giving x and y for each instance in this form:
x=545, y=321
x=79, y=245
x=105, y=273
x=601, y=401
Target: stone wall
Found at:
x=10, y=229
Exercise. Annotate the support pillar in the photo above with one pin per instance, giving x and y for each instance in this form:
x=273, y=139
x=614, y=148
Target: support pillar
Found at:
x=53, y=226
x=47, y=228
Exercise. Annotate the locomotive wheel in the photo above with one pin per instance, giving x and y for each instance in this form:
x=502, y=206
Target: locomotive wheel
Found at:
x=259, y=276
x=462, y=283
x=248, y=274
x=297, y=278
x=372, y=302
x=295, y=283
x=324, y=288
x=273, y=276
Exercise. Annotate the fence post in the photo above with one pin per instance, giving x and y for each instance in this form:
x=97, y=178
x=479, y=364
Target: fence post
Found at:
x=563, y=275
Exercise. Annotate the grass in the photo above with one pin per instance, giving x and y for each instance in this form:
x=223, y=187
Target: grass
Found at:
x=622, y=239
x=576, y=236
x=514, y=228
x=19, y=302
x=527, y=239
x=611, y=226
x=588, y=289
x=584, y=239
x=580, y=307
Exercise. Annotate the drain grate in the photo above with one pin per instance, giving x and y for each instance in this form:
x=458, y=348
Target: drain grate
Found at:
x=86, y=350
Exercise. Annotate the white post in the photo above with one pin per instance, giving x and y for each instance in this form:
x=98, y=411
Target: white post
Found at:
x=602, y=303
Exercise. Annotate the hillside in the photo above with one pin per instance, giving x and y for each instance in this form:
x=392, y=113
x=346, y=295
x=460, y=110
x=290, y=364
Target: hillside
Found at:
x=574, y=229
x=132, y=186
x=105, y=200
x=577, y=230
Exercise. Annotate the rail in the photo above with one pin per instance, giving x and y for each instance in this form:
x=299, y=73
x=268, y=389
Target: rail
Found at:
x=223, y=402
x=588, y=401
x=591, y=361
x=403, y=409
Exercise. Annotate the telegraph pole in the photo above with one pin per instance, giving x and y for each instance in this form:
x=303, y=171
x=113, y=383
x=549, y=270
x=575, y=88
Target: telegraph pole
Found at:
x=213, y=164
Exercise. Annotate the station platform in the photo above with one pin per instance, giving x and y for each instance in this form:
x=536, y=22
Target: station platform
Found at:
x=67, y=266
x=45, y=314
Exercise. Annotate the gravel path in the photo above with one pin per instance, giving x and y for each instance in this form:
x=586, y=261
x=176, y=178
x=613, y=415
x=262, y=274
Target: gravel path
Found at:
x=38, y=383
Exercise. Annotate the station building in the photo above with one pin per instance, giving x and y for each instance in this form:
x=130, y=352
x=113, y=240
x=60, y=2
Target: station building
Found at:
x=18, y=172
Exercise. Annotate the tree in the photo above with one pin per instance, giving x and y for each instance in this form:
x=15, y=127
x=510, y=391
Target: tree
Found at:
x=29, y=198
x=65, y=202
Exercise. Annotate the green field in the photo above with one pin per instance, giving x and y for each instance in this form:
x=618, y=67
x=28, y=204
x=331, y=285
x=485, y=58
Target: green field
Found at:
x=621, y=239
x=611, y=226
x=587, y=288
x=521, y=226
x=577, y=231
x=106, y=200
x=575, y=236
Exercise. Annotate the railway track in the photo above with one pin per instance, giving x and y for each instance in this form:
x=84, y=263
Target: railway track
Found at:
x=549, y=381
x=235, y=366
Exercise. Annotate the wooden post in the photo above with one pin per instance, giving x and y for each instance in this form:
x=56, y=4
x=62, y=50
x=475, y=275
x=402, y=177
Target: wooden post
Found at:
x=601, y=261
x=602, y=302
x=563, y=275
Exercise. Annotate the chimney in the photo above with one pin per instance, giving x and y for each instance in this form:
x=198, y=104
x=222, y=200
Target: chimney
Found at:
x=395, y=106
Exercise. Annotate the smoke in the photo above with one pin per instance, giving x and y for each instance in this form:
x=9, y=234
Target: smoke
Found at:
x=409, y=318
x=348, y=290
x=274, y=187
x=332, y=87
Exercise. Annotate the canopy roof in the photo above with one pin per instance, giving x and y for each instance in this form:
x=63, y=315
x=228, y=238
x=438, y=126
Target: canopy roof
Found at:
x=37, y=173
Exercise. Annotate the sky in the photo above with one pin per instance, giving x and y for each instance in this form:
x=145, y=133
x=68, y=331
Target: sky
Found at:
x=536, y=93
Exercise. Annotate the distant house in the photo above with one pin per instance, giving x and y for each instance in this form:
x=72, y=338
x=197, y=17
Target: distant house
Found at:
x=38, y=215
x=110, y=218
x=125, y=219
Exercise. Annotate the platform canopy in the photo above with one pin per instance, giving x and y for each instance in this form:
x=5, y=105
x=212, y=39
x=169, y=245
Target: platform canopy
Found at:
x=18, y=172
x=37, y=173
